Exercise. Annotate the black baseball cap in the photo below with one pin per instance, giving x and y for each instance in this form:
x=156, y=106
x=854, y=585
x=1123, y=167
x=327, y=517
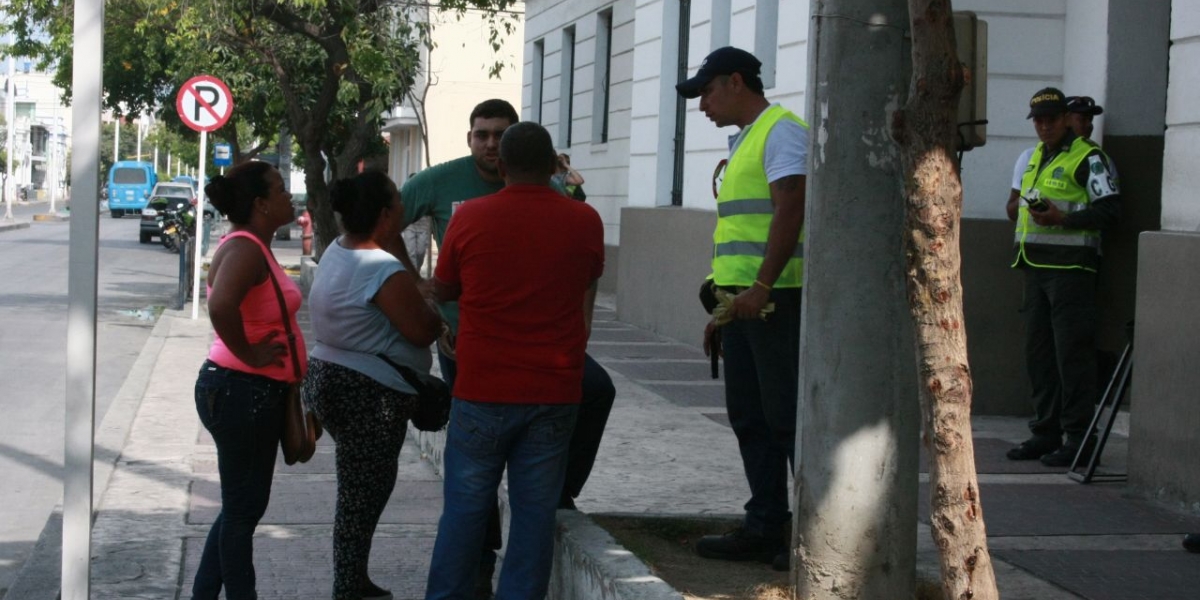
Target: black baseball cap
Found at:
x=1084, y=105
x=1047, y=101
x=722, y=61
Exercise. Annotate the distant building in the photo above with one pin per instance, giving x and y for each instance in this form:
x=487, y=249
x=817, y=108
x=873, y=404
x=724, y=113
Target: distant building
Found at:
x=454, y=80
x=41, y=127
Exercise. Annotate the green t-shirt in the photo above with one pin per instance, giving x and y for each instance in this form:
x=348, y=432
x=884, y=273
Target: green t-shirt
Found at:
x=435, y=192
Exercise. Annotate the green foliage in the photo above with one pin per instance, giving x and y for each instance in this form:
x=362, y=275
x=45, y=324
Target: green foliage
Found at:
x=327, y=70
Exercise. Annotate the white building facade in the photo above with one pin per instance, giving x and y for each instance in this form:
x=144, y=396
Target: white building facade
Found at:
x=41, y=129
x=600, y=75
x=455, y=78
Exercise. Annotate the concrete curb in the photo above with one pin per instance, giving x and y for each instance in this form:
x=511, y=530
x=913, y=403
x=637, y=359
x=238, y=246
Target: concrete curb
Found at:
x=39, y=577
x=589, y=563
x=14, y=225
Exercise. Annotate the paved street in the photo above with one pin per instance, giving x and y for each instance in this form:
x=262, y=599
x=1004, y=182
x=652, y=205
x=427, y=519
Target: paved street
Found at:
x=33, y=302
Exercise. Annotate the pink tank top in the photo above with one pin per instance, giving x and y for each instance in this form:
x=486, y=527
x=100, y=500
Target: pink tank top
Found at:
x=261, y=316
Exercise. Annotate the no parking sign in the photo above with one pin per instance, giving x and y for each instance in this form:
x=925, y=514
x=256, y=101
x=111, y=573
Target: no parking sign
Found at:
x=204, y=103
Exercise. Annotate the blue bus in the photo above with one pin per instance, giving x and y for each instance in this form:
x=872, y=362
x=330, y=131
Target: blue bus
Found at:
x=129, y=185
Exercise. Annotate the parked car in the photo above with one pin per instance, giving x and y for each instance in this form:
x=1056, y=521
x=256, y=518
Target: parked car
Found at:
x=165, y=196
x=188, y=179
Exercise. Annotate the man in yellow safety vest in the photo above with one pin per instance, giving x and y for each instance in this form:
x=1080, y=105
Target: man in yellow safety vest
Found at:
x=758, y=261
x=1068, y=195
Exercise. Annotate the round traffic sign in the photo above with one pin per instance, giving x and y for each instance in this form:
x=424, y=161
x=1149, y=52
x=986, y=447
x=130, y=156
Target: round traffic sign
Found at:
x=204, y=103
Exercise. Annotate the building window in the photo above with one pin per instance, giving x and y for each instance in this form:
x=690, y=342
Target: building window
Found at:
x=603, y=83
x=535, y=80
x=567, y=93
x=766, y=38
x=681, y=73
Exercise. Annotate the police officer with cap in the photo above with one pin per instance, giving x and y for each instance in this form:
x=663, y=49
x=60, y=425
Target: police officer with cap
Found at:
x=1080, y=112
x=1068, y=195
x=758, y=263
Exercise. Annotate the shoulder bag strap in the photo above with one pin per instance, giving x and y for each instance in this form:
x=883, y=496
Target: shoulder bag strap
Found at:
x=287, y=320
x=409, y=375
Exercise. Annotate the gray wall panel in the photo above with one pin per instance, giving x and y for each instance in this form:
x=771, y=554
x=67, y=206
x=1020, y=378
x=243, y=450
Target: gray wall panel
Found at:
x=1163, y=440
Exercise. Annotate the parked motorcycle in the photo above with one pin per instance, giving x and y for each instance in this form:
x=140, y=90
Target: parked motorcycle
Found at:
x=178, y=225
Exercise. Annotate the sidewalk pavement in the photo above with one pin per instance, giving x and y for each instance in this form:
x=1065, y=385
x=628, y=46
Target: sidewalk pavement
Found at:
x=668, y=450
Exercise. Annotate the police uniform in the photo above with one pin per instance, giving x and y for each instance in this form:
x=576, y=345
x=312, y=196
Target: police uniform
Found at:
x=1061, y=314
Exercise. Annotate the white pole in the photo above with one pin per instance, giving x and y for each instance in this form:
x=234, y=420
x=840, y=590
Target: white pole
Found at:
x=168, y=163
x=199, y=227
x=10, y=116
x=156, y=159
x=52, y=162
x=80, y=422
x=117, y=140
x=139, y=139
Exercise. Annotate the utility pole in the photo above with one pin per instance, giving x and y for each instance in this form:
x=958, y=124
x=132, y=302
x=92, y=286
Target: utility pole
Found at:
x=117, y=139
x=855, y=532
x=141, y=124
x=10, y=117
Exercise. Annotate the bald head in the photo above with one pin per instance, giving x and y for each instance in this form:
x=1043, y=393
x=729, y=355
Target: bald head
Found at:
x=527, y=154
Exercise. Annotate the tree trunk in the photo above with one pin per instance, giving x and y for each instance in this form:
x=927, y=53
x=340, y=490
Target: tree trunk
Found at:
x=925, y=130
x=325, y=228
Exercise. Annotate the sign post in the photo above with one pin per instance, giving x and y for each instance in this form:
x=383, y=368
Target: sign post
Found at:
x=204, y=104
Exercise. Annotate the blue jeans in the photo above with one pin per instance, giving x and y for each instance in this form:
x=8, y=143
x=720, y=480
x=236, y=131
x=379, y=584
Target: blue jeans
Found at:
x=762, y=379
x=482, y=439
x=244, y=414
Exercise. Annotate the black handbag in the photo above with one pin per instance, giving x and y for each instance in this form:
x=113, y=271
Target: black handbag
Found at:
x=433, y=397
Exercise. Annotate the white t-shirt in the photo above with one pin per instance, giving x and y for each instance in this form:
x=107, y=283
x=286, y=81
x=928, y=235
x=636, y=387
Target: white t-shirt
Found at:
x=350, y=329
x=786, y=152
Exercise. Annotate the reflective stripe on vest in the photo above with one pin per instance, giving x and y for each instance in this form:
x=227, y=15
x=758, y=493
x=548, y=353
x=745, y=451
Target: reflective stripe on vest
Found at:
x=1056, y=183
x=751, y=249
x=744, y=212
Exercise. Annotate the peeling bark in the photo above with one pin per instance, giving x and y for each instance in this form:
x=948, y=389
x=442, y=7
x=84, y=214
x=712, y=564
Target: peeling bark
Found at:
x=925, y=130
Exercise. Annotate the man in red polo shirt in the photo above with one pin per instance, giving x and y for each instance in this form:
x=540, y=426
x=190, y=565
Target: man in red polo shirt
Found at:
x=523, y=264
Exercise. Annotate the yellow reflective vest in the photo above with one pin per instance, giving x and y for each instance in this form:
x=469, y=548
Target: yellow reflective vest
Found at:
x=1056, y=247
x=744, y=212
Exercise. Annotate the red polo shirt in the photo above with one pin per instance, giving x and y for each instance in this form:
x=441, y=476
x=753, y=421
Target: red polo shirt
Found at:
x=524, y=257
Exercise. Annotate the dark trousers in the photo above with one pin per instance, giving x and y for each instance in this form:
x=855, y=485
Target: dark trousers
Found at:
x=244, y=414
x=369, y=422
x=599, y=393
x=762, y=379
x=1061, y=317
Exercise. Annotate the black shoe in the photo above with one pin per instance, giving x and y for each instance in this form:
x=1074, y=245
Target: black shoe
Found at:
x=370, y=591
x=1191, y=542
x=566, y=503
x=1034, y=448
x=782, y=562
x=740, y=545
x=1065, y=455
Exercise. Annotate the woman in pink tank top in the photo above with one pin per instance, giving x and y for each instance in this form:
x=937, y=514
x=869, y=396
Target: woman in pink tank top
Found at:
x=242, y=386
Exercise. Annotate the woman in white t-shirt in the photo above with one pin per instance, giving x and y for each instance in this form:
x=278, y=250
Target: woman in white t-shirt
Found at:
x=365, y=307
